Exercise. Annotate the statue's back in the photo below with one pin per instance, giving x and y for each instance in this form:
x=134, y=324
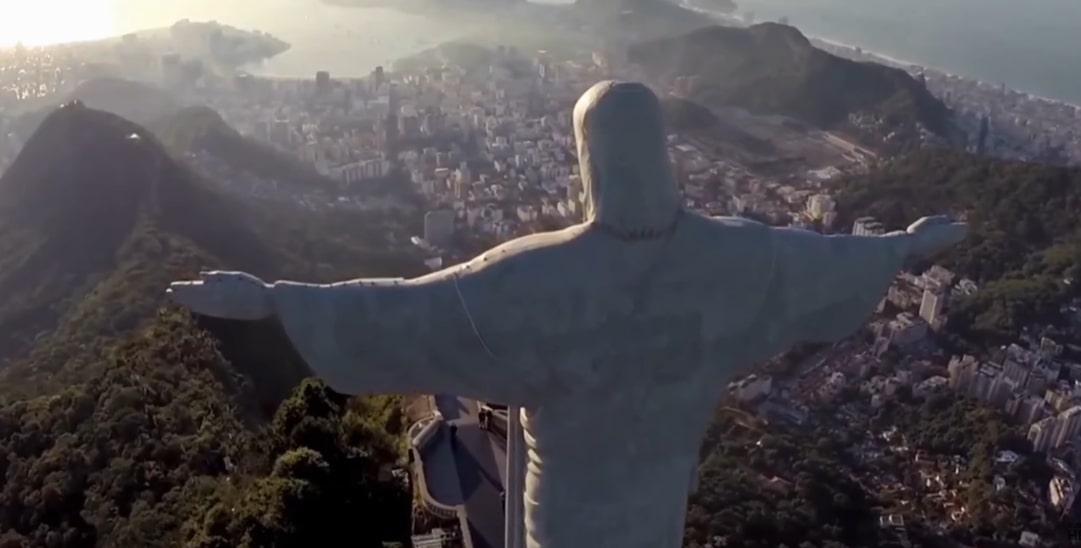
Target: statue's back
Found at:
x=616, y=445
x=588, y=307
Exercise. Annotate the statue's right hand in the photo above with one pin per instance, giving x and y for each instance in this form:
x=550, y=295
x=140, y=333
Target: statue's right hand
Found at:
x=932, y=235
x=222, y=294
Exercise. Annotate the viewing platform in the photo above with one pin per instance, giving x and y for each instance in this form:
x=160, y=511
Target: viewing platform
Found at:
x=437, y=480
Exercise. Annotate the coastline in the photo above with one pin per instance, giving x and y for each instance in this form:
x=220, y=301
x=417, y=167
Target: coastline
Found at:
x=858, y=53
x=913, y=66
x=851, y=51
x=733, y=21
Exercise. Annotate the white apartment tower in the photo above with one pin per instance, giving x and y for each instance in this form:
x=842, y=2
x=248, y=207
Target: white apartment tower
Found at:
x=1056, y=431
x=932, y=305
x=1030, y=410
x=818, y=205
x=867, y=226
x=1042, y=434
x=439, y=227
x=962, y=369
x=1069, y=424
x=987, y=382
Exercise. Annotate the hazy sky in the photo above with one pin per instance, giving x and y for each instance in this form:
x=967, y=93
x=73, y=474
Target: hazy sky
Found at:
x=50, y=21
x=46, y=21
x=345, y=41
x=34, y=22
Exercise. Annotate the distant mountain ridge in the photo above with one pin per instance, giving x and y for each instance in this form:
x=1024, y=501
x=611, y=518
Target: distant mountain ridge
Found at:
x=773, y=69
x=139, y=102
x=184, y=130
x=682, y=115
x=202, y=130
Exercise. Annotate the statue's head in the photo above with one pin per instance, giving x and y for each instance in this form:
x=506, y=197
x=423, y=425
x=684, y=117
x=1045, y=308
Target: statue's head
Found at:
x=623, y=158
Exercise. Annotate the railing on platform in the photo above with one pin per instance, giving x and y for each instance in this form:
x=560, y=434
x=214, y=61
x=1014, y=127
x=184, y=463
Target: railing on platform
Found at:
x=438, y=538
x=421, y=435
x=498, y=422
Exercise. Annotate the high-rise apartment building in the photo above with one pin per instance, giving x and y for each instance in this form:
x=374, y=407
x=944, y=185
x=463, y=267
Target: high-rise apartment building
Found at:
x=1031, y=409
x=932, y=305
x=1041, y=434
x=1069, y=424
x=819, y=205
x=962, y=369
x=439, y=227
x=867, y=226
x=322, y=82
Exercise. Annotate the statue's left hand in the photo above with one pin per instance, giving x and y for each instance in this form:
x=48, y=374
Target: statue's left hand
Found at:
x=221, y=294
x=932, y=235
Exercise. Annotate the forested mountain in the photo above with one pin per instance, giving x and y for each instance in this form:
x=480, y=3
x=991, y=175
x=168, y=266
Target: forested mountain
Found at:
x=186, y=130
x=1024, y=248
x=773, y=69
x=683, y=116
x=123, y=423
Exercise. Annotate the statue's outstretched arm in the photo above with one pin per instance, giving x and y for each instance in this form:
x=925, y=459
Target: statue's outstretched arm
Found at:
x=825, y=287
x=388, y=336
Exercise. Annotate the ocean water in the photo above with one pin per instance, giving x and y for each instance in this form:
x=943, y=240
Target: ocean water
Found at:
x=1029, y=45
x=344, y=41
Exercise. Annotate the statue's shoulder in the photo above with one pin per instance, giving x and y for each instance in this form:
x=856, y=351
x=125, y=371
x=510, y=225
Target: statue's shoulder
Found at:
x=532, y=251
x=726, y=248
x=732, y=232
x=533, y=244
x=725, y=222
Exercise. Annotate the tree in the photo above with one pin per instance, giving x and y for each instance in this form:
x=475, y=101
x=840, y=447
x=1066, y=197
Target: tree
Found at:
x=320, y=483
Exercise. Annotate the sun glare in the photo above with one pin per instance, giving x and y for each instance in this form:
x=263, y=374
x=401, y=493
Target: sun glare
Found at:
x=41, y=22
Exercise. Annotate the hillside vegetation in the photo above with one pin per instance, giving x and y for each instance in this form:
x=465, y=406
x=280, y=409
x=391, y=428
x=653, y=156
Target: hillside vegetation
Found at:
x=788, y=485
x=1024, y=248
x=124, y=424
x=773, y=69
x=681, y=115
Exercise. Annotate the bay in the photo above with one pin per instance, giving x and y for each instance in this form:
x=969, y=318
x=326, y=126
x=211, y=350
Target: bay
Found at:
x=346, y=42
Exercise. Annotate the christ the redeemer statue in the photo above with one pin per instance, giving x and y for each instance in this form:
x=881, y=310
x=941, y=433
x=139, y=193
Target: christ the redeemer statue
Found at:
x=615, y=336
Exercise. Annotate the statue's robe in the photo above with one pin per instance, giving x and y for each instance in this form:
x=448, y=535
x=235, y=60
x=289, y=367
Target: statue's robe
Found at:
x=616, y=350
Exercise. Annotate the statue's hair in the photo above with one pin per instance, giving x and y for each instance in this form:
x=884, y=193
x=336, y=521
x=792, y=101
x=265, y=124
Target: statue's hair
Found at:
x=623, y=158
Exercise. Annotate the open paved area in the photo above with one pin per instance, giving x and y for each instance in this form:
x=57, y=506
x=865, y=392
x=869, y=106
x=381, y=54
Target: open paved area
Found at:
x=440, y=471
x=479, y=465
